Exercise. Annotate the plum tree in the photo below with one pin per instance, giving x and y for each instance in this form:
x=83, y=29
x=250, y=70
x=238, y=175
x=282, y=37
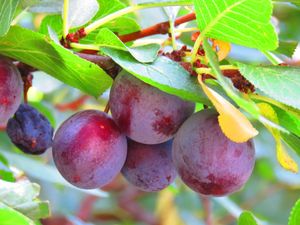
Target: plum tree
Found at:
x=146, y=114
x=11, y=87
x=207, y=161
x=149, y=167
x=30, y=130
x=89, y=150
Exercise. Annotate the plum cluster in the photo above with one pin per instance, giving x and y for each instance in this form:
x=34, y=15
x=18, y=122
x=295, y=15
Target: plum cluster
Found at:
x=91, y=148
x=151, y=137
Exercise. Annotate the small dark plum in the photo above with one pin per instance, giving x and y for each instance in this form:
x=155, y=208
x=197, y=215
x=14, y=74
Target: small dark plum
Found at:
x=11, y=88
x=89, y=150
x=29, y=130
x=149, y=167
x=207, y=161
x=146, y=114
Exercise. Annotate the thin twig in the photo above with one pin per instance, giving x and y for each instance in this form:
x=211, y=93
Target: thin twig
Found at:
x=127, y=202
x=106, y=110
x=160, y=28
x=74, y=105
x=106, y=63
x=207, y=209
x=86, y=207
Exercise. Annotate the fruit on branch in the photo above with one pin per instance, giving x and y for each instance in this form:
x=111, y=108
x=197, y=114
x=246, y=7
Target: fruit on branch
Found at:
x=146, y=114
x=30, y=131
x=149, y=167
x=89, y=150
x=207, y=161
x=11, y=87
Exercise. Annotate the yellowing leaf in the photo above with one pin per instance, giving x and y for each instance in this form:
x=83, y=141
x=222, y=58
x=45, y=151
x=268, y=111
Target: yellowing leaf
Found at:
x=282, y=156
x=224, y=49
x=233, y=123
x=166, y=209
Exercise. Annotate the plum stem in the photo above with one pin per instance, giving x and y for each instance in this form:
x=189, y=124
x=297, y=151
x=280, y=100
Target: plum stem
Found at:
x=107, y=108
x=207, y=209
x=65, y=18
x=272, y=58
x=188, y=29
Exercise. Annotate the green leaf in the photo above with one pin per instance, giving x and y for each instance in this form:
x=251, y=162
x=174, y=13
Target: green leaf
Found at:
x=43, y=6
x=292, y=141
x=279, y=82
x=121, y=25
x=22, y=196
x=14, y=194
x=247, y=218
x=44, y=54
x=243, y=22
x=226, y=84
x=146, y=53
x=53, y=21
x=163, y=73
x=108, y=7
x=288, y=120
x=8, y=216
x=34, y=210
x=182, y=2
x=80, y=12
x=7, y=10
x=286, y=48
x=50, y=174
x=265, y=169
x=295, y=214
x=295, y=2
x=5, y=173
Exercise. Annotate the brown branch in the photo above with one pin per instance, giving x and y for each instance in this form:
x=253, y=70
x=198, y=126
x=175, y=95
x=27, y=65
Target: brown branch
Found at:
x=57, y=220
x=106, y=63
x=127, y=202
x=160, y=28
x=207, y=209
x=74, y=105
x=107, y=217
x=86, y=207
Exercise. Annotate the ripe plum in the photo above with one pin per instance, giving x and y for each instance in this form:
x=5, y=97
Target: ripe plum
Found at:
x=89, y=150
x=146, y=114
x=149, y=167
x=207, y=161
